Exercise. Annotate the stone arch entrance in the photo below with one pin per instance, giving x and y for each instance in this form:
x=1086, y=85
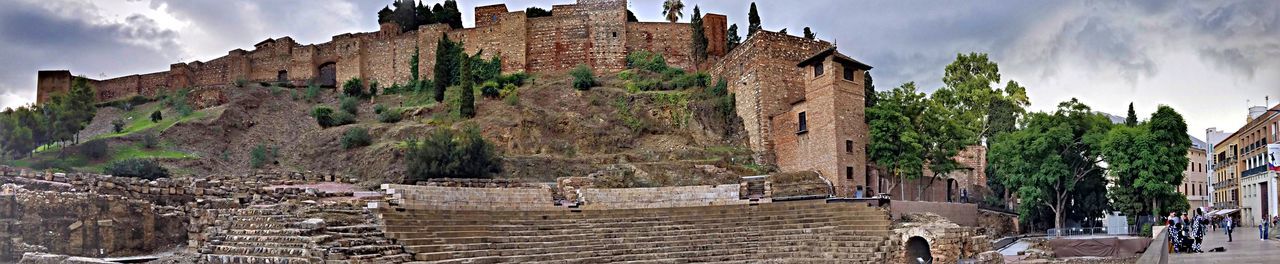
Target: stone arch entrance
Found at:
x=918, y=251
x=327, y=75
x=951, y=190
x=282, y=76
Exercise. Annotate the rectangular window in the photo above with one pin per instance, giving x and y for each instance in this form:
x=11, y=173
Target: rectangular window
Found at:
x=848, y=146
x=817, y=69
x=848, y=73
x=803, y=124
x=848, y=173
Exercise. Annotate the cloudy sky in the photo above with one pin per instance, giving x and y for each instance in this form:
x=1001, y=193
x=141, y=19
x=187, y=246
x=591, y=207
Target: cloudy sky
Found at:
x=1207, y=59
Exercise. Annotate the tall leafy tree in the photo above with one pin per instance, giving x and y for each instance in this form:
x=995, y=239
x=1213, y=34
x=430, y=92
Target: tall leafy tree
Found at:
x=467, y=95
x=968, y=88
x=944, y=137
x=1147, y=162
x=1056, y=156
x=1132, y=118
x=732, y=40
x=1169, y=136
x=673, y=10
x=897, y=146
x=753, y=20
x=809, y=34
x=384, y=15
x=869, y=91
x=405, y=15
x=534, y=11
x=424, y=14
x=699, y=37
x=448, y=62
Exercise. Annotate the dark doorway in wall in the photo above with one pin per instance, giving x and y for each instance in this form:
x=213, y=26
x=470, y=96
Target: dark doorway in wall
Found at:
x=282, y=76
x=918, y=250
x=327, y=75
x=951, y=190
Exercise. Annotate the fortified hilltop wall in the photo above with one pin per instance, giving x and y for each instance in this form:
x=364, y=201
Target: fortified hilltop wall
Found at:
x=591, y=32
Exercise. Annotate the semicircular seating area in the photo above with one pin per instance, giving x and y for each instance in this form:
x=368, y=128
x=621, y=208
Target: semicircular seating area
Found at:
x=809, y=231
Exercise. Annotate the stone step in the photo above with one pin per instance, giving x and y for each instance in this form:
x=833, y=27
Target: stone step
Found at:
x=647, y=231
x=270, y=232
x=611, y=214
x=646, y=255
x=237, y=259
x=866, y=244
x=278, y=239
x=266, y=244
x=402, y=224
x=818, y=238
x=300, y=252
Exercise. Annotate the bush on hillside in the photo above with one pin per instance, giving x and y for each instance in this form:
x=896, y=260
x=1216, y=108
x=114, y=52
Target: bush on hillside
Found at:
x=156, y=116
x=150, y=141
x=583, y=77
x=117, y=125
x=490, y=89
x=389, y=116
x=94, y=150
x=261, y=156
x=313, y=92
x=323, y=115
x=349, y=105
x=137, y=168
x=517, y=79
x=448, y=154
x=353, y=88
x=355, y=137
x=646, y=60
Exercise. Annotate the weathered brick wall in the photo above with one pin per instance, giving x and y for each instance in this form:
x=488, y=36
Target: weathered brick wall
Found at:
x=116, y=88
x=607, y=21
x=998, y=224
x=153, y=83
x=386, y=58
x=303, y=65
x=489, y=15
x=763, y=76
x=672, y=40
x=660, y=197
x=506, y=37
x=49, y=83
x=834, y=140
x=959, y=213
x=558, y=42
x=350, y=51
x=87, y=224
x=180, y=76
x=269, y=58
x=715, y=27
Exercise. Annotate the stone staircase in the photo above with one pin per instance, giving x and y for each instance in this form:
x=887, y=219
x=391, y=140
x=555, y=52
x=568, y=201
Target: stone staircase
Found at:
x=811, y=231
x=331, y=234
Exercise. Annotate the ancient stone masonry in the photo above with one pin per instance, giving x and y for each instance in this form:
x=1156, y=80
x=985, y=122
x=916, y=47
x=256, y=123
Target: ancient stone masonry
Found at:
x=84, y=224
x=591, y=32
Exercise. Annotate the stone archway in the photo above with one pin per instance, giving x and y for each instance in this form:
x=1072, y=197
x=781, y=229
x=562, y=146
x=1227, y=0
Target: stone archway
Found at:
x=327, y=75
x=918, y=251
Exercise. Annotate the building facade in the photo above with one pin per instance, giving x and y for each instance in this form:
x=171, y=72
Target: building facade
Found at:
x=1244, y=179
x=1195, y=177
x=1213, y=136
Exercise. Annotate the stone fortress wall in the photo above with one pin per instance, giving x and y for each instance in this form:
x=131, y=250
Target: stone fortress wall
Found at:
x=591, y=32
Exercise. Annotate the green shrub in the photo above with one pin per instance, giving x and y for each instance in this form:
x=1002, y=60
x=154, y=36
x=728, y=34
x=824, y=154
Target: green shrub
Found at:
x=240, y=82
x=137, y=168
x=379, y=108
x=261, y=156
x=184, y=109
x=626, y=75
x=94, y=150
x=424, y=86
x=646, y=60
x=324, y=116
x=448, y=154
x=490, y=89
x=583, y=77
x=671, y=73
x=389, y=116
x=511, y=97
x=517, y=79
x=349, y=105
x=393, y=89
x=355, y=137
x=150, y=141
x=117, y=125
x=343, y=118
x=353, y=88
x=1146, y=230
x=156, y=116
x=373, y=90
x=683, y=81
x=138, y=100
x=313, y=92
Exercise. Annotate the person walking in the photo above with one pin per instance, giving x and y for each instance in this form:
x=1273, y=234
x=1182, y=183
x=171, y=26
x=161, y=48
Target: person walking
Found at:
x=1230, y=224
x=1197, y=231
x=1262, y=229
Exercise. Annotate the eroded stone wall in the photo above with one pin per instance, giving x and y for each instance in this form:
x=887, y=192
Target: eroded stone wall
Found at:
x=86, y=224
x=672, y=40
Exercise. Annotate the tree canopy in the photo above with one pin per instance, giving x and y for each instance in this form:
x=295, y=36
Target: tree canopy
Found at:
x=1056, y=155
x=1147, y=160
x=732, y=40
x=753, y=20
x=673, y=10
x=699, y=38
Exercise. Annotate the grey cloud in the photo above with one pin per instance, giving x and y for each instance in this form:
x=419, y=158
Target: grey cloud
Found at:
x=58, y=35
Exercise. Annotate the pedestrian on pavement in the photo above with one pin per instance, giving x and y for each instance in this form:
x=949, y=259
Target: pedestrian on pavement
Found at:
x=1230, y=224
x=1262, y=229
x=1198, y=232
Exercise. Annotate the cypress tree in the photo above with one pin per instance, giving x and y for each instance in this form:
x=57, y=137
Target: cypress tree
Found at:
x=467, y=94
x=753, y=17
x=699, y=38
x=1132, y=118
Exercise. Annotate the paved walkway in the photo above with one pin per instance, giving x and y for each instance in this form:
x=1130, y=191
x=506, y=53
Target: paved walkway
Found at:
x=1245, y=248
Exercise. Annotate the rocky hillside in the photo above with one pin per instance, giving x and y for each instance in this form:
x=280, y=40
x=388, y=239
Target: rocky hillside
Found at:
x=549, y=130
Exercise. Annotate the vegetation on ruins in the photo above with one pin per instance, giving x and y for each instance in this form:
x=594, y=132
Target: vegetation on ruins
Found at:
x=355, y=137
x=534, y=11
x=349, y=105
x=673, y=10
x=312, y=93
x=1146, y=161
x=156, y=116
x=261, y=155
x=732, y=40
x=94, y=149
x=117, y=125
x=583, y=77
x=327, y=118
x=1057, y=157
x=409, y=16
x=448, y=154
x=753, y=18
x=59, y=121
x=138, y=168
x=808, y=34
x=390, y=116
x=699, y=38
x=647, y=71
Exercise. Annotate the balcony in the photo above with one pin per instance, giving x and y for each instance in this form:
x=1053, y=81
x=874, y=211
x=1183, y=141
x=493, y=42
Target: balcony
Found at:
x=1254, y=170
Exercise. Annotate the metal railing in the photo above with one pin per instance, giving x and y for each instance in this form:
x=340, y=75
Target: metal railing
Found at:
x=1077, y=231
